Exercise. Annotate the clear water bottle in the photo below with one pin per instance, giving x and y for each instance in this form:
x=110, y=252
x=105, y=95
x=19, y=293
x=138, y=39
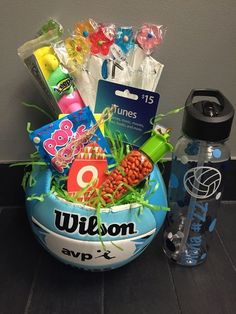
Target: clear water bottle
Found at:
x=199, y=164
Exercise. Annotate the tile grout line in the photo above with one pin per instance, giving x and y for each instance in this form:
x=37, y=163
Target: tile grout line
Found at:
x=228, y=202
x=174, y=287
x=31, y=292
x=225, y=250
x=9, y=207
x=102, y=293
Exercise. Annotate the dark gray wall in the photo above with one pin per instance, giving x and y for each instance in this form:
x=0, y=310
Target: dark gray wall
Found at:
x=199, y=51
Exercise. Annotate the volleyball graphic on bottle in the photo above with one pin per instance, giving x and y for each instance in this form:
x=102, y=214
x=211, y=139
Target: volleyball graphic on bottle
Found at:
x=202, y=182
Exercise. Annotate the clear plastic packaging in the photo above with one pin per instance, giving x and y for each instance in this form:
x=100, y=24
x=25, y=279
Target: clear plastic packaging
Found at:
x=93, y=51
x=135, y=167
x=114, y=54
x=146, y=71
x=54, y=79
x=59, y=142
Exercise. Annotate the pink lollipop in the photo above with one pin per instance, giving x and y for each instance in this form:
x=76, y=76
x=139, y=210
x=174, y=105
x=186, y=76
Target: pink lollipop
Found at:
x=149, y=36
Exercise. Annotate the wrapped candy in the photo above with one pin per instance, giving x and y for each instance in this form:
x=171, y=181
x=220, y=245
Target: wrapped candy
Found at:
x=101, y=40
x=51, y=25
x=85, y=28
x=125, y=39
x=118, y=69
x=78, y=48
x=149, y=36
x=146, y=71
x=88, y=170
x=84, y=53
x=134, y=168
x=96, y=51
x=59, y=142
x=146, y=76
x=54, y=79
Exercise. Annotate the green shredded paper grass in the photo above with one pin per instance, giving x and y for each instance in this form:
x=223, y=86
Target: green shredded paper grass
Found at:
x=140, y=194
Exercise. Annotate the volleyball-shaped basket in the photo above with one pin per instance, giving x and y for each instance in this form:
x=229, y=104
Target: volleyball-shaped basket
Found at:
x=69, y=231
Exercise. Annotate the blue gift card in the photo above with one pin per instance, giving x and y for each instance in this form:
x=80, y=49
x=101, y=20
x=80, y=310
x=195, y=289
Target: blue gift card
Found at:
x=133, y=110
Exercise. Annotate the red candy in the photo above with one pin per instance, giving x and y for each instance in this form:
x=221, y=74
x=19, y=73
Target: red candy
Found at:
x=100, y=43
x=132, y=170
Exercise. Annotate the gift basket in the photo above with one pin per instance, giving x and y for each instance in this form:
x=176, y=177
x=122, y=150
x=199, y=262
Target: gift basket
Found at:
x=95, y=196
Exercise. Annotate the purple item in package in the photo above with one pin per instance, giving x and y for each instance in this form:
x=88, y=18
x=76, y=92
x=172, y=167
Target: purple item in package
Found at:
x=59, y=142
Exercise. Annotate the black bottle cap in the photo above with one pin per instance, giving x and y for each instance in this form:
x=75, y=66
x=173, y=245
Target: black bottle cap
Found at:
x=207, y=120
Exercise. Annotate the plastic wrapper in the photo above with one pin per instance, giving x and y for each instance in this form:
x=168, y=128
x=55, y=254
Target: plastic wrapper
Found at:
x=53, y=78
x=147, y=74
x=93, y=51
x=149, y=36
x=84, y=28
x=59, y=142
x=123, y=57
x=146, y=71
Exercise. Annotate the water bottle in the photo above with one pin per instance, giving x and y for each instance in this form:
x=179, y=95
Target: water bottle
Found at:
x=199, y=164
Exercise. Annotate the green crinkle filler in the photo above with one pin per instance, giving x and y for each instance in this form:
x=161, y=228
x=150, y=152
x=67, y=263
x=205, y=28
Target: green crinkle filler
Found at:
x=39, y=109
x=119, y=150
x=39, y=198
